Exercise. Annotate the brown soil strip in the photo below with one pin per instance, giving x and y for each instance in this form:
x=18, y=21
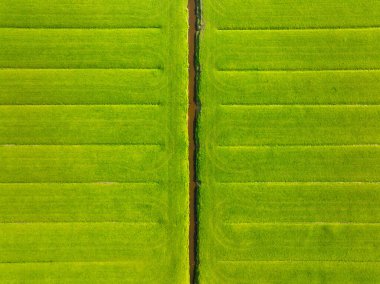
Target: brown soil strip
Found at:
x=191, y=132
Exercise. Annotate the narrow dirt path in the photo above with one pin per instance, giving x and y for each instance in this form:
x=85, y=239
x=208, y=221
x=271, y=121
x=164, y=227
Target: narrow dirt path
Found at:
x=191, y=129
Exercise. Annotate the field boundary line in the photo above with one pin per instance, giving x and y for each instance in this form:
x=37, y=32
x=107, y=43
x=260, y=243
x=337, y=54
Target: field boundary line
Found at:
x=193, y=108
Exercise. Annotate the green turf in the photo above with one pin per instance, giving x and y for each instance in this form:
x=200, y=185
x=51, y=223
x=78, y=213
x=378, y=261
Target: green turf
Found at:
x=289, y=134
x=93, y=141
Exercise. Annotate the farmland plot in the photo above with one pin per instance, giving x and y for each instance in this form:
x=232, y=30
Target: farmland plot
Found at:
x=93, y=155
x=289, y=134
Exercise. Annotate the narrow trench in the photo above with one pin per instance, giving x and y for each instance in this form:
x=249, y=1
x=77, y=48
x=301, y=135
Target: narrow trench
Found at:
x=191, y=134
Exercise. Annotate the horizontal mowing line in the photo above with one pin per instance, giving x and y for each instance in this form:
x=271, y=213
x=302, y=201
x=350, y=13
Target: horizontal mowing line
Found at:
x=298, y=146
x=298, y=105
x=71, y=262
x=85, y=68
x=296, y=70
x=95, y=68
x=297, y=261
x=81, y=222
x=331, y=28
x=299, y=223
x=87, y=105
x=94, y=144
x=83, y=183
x=83, y=28
x=295, y=182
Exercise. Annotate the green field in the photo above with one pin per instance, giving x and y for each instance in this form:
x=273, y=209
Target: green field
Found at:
x=94, y=146
x=289, y=134
x=93, y=134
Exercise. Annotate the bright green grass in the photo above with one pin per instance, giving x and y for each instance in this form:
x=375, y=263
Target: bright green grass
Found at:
x=289, y=134
x=93, y=141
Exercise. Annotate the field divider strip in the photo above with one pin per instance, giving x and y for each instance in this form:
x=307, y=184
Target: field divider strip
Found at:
x=193, y=7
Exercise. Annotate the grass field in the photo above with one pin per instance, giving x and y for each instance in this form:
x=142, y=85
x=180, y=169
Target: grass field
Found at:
x=289, y=134
x=93, y=134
